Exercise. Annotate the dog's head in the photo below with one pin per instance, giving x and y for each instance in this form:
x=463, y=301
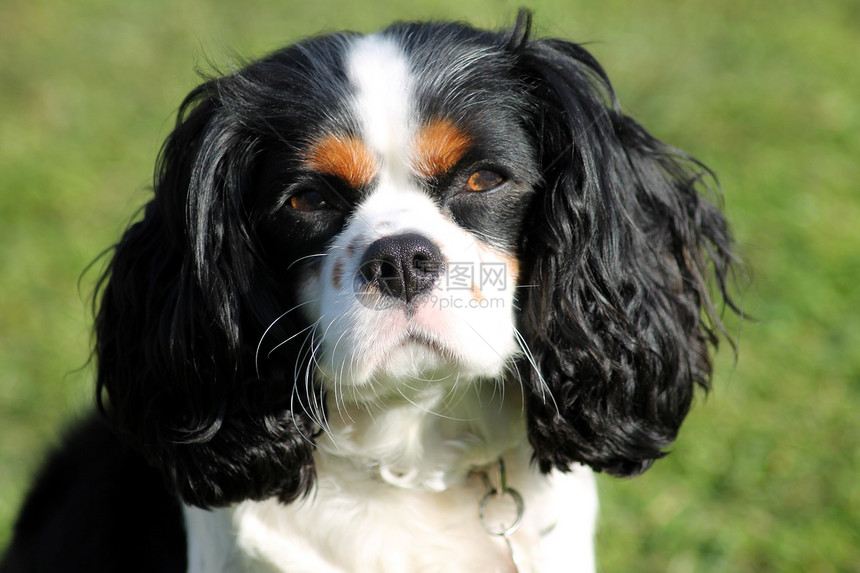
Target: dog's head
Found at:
x=363, y=215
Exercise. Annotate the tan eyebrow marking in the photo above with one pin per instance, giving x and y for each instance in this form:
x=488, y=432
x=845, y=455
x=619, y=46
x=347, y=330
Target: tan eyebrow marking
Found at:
x=438, y=146
x=344, y=156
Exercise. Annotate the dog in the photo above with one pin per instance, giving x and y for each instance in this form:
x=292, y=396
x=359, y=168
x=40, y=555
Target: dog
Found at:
x=394, y=301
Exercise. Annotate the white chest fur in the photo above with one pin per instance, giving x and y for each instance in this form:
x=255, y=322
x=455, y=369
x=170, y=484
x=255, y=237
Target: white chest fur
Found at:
x=395, y=492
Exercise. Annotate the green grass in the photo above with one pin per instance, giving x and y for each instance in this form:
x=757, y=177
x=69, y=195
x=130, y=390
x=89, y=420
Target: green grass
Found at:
x=765, y=474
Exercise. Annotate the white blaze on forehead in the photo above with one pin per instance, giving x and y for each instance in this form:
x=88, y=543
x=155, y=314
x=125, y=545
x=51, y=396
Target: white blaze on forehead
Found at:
x=379, y=70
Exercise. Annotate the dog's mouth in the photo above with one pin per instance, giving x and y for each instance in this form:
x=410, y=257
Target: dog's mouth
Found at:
x=412, y=356
x=421, y=348
x=425, y=340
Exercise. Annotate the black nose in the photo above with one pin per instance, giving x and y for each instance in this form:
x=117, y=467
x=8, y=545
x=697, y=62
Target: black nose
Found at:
x=402, y=266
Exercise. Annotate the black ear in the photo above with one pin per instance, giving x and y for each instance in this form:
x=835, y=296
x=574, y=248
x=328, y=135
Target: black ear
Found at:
x=185, y=300
x=622, y=246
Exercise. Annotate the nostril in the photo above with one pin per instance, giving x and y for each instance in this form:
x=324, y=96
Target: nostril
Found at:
x=402, y=266
x=425, y=263
x=390, y=277
x=381, y=267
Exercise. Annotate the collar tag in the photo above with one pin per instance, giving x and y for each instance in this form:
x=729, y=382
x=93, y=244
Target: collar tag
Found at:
x=502, y=510
x=502, y=507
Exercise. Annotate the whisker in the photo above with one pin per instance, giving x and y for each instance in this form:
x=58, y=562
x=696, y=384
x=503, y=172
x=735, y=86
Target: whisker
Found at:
x=311, y=409
x=293, y=395
x=513, y=370
x=544, y=387
x=338, y=378
x=427, y=410
x=314, y=361
x=453, y=393
x=311, y=256
x=338, y=383
x=316, y=405
x=268, y=328
x=280, y=344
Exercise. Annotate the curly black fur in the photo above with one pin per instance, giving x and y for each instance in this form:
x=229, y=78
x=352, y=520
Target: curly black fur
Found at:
x=624, y=243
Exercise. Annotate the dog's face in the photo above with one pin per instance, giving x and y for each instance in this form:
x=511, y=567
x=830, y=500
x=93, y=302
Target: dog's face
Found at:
x=370, y=215
x=414, y=193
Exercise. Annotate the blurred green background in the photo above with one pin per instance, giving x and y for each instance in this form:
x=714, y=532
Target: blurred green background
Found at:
x=765, y=474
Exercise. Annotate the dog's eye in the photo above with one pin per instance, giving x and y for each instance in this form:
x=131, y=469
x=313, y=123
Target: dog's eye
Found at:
x=484, y=180
x=308, y=201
